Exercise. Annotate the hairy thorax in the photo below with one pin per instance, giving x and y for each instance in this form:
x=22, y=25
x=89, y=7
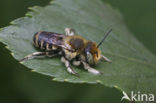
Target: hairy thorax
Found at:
x=77, y=43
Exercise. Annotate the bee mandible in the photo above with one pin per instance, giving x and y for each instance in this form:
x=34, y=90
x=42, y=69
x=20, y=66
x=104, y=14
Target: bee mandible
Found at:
x=72, y=48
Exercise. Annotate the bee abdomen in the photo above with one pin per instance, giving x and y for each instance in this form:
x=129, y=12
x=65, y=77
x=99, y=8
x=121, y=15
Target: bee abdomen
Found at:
x=35, y=39
x=43, y=41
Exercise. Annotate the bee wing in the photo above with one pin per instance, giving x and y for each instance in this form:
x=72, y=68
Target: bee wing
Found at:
x=65, y=46
x=58, y=41
x=68, y=47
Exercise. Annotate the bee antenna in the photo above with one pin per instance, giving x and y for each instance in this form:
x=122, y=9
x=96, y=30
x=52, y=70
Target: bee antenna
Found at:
x=104, y=38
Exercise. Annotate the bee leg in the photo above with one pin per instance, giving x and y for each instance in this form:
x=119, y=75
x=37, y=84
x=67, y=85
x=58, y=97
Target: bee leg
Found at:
x=76, y=63
x=90, y=69
x=69, y=31
x=105, y=59
x=37, y=54
x=51, y=54
x=67, y=64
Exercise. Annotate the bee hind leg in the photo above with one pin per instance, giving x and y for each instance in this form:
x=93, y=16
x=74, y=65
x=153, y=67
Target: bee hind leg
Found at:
x=37, y=54
x=67, y=64
x=69, y=31
x=105, y=59
x=90, y=69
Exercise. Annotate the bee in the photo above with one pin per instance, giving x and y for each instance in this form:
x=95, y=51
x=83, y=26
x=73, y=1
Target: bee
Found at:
x=72, y=48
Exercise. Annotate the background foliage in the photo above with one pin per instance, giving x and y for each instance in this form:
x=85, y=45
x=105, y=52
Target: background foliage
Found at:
x=21, y=85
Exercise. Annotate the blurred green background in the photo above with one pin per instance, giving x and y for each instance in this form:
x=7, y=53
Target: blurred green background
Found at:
x=19, y=85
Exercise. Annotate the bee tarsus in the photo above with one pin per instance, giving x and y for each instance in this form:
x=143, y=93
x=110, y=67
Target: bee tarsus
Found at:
x=90, y=69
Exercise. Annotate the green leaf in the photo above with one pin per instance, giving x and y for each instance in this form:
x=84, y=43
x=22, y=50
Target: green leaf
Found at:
x=133, y=67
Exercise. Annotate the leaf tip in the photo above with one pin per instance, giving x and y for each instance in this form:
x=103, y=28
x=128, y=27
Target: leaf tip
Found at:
x=6, y=47
x=115, y=86
x=54, y=79
x=12, y=54
x=28, y=15
x=30, y=8
x=12, y=22
x=21, y=62
x=33, y=70
x=33, y=8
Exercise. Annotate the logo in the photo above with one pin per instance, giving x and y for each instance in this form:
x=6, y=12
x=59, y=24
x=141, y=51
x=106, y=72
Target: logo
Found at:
x=138, y=97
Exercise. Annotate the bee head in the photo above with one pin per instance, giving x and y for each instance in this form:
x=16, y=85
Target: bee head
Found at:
x=92, y=53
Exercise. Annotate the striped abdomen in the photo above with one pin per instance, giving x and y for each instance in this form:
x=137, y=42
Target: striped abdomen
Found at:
x=48, y=40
